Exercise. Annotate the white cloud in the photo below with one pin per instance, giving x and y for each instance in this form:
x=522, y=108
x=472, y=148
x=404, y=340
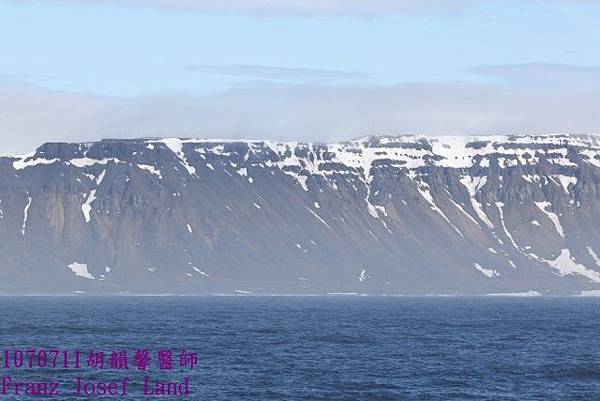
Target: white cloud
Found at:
x=307, y=7
x=277, y=73
x=543, y=74
x=30, y=115
x=312, y=7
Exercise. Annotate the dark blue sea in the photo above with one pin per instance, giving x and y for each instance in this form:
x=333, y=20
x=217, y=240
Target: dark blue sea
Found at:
x=320, y=348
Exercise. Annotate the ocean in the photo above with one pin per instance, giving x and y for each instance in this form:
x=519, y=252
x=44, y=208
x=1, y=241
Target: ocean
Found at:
x=307, y=348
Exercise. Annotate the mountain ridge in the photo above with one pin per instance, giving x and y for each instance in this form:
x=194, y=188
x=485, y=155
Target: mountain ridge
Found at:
x=380, y=214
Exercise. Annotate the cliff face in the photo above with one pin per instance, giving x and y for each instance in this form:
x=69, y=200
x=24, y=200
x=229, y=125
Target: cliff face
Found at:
x=394, y=215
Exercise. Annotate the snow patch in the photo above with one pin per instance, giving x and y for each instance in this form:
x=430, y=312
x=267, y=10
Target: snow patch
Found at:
x=81, y=270
x=30, y=161
x=100, y=177
x=176, y=146
x=490, y=273
x=543, y=206
x=86, y=208
x=151, y=169
x=426, y=194
x=459, y=207
x=200, y=271
x=473, y=185
x=565, y=264
x=86, y=161
x=318, y=217
x=565, y=181
x=530, y=293
x=593, y=255
x=25, y=215
x=363, y=275
x=299, y=246
x=500, y=205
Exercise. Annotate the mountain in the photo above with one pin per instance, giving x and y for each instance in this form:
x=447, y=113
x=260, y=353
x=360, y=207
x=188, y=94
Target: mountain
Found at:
x=379, y=215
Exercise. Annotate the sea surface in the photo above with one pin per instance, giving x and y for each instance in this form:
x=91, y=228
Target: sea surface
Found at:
x=322, y=348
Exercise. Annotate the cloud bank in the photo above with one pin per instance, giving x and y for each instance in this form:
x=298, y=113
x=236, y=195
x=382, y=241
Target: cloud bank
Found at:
x=30, y=115
x=277, y=73
x=312, y=7
x=543, y=74
x=293, y=7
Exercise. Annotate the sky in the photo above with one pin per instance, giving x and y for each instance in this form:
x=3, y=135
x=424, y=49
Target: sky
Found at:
x=318, y=70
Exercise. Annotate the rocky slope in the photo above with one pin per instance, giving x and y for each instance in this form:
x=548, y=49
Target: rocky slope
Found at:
x=393, y=215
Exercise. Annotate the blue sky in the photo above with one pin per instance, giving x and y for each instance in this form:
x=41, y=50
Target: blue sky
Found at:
x=315, y=70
